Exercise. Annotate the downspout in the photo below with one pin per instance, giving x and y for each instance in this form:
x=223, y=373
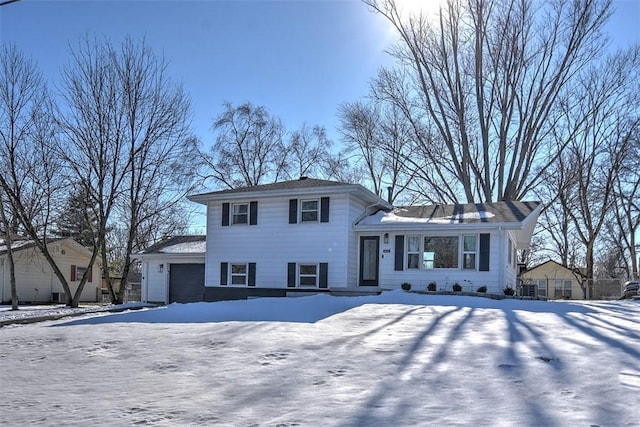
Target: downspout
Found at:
x=501, y=258
x=2, y=280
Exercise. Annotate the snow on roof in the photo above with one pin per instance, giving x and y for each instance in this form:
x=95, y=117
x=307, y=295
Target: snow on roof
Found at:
x=471, y=213
x=184, y=248
x=191, y=244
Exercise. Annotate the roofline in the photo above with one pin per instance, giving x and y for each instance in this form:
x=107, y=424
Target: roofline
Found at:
x=141, y=256
x=319, y=190
x=416, y=226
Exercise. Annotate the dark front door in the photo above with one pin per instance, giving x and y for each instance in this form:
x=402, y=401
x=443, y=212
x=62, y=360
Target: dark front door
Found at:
x=369, y=260
x=186, y=283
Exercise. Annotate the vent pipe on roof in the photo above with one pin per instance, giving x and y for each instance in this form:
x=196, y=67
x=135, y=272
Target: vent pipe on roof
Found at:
x=389, y=194
x=302, y=178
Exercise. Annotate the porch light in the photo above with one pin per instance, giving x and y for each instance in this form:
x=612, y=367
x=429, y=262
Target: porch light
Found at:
x=160, y=268
x=386, y=238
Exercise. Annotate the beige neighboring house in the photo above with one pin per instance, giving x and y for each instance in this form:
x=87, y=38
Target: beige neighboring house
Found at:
x=554, y=281
x=35, y=280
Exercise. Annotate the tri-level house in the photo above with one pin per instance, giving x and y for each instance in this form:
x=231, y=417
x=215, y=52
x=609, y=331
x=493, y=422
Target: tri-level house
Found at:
x=311, y=235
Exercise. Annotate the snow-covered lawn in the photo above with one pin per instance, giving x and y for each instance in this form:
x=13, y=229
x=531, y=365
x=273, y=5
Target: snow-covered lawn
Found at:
x=397, y=359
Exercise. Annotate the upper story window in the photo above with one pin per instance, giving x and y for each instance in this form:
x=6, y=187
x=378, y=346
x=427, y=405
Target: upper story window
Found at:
x=309, y=211
x=240, y=213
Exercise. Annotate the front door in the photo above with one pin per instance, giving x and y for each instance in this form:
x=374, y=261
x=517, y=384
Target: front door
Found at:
x=369, y=260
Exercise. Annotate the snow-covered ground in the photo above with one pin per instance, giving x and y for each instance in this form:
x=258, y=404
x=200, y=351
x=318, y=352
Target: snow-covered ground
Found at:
x=398, y=359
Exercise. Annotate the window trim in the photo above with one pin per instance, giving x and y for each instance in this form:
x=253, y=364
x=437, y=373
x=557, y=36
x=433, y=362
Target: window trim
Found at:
x=316, y=275
x=232, y=274
x=473, y=252
x=234, y=215
x=302, y=211
x=419, y=253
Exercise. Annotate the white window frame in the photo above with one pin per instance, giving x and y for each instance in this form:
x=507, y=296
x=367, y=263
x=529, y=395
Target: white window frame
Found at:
x=417, y=253
x=235, y=215
x=303, y=211
x=473, y=252
x=315, y=275
x=245, y=274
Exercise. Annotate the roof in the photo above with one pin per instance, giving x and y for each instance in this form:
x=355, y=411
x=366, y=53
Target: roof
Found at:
x=471, y=213
x=576, y=270
x=18, y=245
x=302, y=182
x=303, y=185
x=191, y=244
x=520, y=217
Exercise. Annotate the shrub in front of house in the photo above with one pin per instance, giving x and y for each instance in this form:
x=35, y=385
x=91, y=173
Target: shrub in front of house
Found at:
x=406, y=286
x=509, y=291
x=457, y=287
x=431, y=287
x=482, y=289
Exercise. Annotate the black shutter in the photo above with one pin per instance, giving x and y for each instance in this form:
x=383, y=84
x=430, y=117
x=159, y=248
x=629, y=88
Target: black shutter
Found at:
x=291, y=275
x=399, y=260
x=224, y=267
x=225, y=214
x=324, y=273
x=324, y=209
x=293, y=211
x=485, y=243
x=252, y=274
x=253, y=213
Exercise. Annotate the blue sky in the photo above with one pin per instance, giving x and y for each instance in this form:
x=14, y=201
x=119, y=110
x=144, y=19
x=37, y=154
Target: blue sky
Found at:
x=300, y=59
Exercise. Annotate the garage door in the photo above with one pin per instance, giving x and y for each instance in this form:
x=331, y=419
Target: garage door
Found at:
x=186, y=283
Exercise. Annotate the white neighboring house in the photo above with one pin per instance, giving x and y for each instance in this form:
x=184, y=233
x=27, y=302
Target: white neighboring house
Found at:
x=311, y=235
x=173, y=270
x=35, y=280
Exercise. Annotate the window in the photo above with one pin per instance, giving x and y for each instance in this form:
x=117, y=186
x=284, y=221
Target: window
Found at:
x=563, y=288
x=440, y=252
x=80, y=272
x=541, y=285
x=309, y=211
x=238, y=274
x=413, y=252
x=469, y=246
x=240, y=213
x=308, y=275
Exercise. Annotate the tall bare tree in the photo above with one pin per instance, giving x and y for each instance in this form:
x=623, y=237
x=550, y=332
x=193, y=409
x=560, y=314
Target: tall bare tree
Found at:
x=484, y=83
x=603, y=128
x=30, y=177
x=249, y=148
x=127, y=140
x=307, y=148
x=378, y=136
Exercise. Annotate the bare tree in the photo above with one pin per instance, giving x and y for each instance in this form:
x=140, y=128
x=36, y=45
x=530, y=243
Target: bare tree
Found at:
x=484, y=85
x=606, y=123
x=379, y=138
x=127, y=140
x=29, y=170
x=307, y=148
x=249, y=148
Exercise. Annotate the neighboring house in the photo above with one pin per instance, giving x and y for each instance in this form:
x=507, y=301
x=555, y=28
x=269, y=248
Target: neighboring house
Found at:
x=173, y=270
x=311, y=235
x=35, y=280
x=554, y=281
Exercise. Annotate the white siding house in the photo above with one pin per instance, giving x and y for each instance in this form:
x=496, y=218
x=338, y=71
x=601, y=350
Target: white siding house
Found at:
x=173, y=270
x=312, y=235
x=35, y=280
